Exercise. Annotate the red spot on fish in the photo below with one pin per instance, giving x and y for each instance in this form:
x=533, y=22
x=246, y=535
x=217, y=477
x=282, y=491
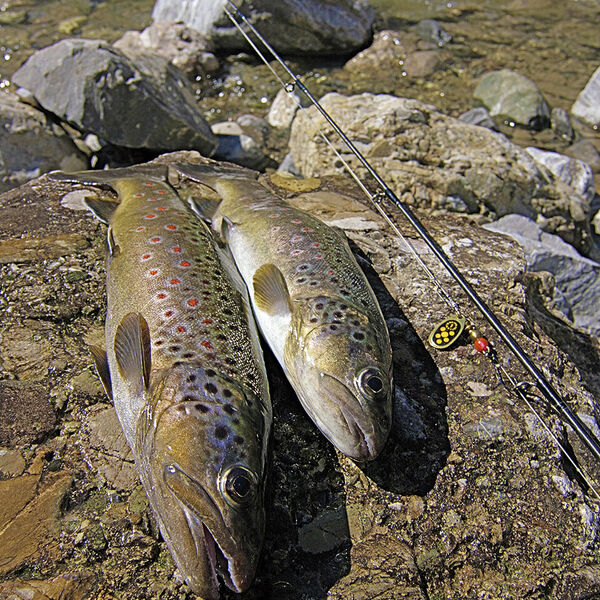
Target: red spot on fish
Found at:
x=155, y=240
x=150, y=216
x=316, y=245
x=138, y=195
x=172, y=227
x=153, y=199
x=177, y=249
x=162, y=192
x=276, y=228
x=296, y=221
x=181, y=329
x=148, y=183
x=207, y=344
x=174, y=281
x=146, y=256
x=295, y=252
x=161, y=208
x=140, y=228
x=161, y=296
x=207, y=321
x=169, y=313
x=318, y=256
x=192, y=302
x=153, y=272
x=306, y=229
x=330, y=272
x=185, y=264
x=296, y=238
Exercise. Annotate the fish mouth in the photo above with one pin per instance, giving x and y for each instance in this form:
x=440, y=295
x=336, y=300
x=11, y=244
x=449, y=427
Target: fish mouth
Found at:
x=354, y=432
x=235, y=573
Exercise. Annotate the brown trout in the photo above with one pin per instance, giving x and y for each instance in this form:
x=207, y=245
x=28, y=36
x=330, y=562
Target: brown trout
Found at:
x=313, y=305
x=185, y=372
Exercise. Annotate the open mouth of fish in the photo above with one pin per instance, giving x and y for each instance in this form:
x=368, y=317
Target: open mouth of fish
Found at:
x=184, y=489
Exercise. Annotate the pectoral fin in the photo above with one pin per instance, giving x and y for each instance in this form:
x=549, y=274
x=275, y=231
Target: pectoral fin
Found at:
x=102, y=209
x=271, y=293
x=101, y=362
x=132, y=350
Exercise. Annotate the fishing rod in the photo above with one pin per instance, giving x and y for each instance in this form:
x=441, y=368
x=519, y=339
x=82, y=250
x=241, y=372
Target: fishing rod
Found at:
x=481, y=344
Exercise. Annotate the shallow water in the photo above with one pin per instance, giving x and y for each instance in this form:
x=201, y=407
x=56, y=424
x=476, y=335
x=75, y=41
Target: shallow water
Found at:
x=556, y=44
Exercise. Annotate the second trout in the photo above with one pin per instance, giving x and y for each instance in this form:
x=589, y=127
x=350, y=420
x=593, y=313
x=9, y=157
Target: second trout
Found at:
x=313, y=305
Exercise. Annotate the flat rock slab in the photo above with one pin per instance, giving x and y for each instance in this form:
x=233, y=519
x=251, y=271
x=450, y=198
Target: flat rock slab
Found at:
x=308, y=27
x=141, y=103
x=450, y=509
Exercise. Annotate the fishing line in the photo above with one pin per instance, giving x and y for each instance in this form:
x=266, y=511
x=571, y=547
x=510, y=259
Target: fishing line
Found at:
x=481, y=344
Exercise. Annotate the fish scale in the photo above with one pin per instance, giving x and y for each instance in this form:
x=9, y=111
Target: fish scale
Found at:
x=312, y=303
x=185, y=371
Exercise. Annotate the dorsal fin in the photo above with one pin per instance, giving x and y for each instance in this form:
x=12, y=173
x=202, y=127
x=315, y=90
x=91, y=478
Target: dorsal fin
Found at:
x=132, y=350
x=102, y=209
x=271, y=293
x=101, y=362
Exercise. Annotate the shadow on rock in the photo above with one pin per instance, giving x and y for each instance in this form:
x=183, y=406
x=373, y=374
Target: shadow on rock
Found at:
x=418, y=444
x=307, y=541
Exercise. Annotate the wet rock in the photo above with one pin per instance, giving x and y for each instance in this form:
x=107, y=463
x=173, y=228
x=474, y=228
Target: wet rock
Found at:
x=27, y=415
x=70, y=586
x=513, y=98
x=31, y=506
x=236, y=146
x=577, y=279
x=310, y=27
x=428, y=157
x=587, y=104
x=585, y=151
x=109, y=454
x=12, y=463
x=432, y=31
x=29, y=250
x=399, y=53
x=575, y=173
x=561, y=123
x=184, y=47
x=579, y=584
x=325, y=532
x=479, y=116
x=146, y=103
x=31, y=145
x=282, y=111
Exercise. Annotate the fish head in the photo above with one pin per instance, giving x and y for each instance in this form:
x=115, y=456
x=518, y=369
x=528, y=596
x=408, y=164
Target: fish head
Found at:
x=202, y=456
x=344, y=374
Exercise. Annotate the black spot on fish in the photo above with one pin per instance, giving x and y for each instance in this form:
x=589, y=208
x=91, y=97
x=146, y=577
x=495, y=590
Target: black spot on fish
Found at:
x=333, y=327
x=191, y=378
x=211, y=388
x=338, y=315
x=235, y=421
x=358, y=336
x=319, y=305
x=221, y=432
x=174, y=348
x=228, y=360
x=201, y=407
x=227, y=393
x=210, y=373
x=314, y=320
x=229, y=409
x=158, y=342
x=238, y=439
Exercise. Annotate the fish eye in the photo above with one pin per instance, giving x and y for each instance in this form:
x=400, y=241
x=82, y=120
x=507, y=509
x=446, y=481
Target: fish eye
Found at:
x=239, y=486
x=371, y=383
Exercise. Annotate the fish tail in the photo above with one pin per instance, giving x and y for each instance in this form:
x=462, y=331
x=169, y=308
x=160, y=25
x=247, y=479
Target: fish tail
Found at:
x=109, y=178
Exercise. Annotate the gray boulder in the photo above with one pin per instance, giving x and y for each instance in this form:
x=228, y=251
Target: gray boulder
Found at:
x=146, y=103
x=427, y=157
x=30, y=144
x=308, y=27
x=576, y=279
x=587, y=105
x=186, y=48
x=478, y=116
x=513, y=98
x=573, y=172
